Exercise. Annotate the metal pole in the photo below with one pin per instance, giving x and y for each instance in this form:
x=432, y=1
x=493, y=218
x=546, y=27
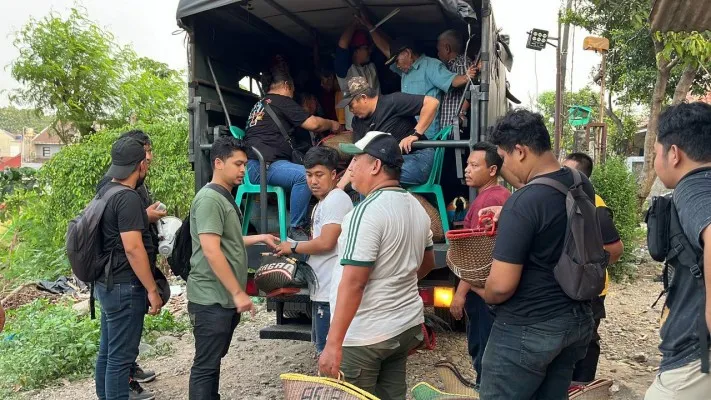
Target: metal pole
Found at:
x=262, y=191
x=602, y=87
x=558, y=97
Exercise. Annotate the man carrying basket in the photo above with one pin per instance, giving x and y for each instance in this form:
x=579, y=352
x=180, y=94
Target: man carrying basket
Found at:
x=482, y=173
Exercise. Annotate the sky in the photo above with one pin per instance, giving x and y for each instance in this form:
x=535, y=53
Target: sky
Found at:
x=150, y=26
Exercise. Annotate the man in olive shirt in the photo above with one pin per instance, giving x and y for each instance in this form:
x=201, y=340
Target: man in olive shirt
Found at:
x=218, y=273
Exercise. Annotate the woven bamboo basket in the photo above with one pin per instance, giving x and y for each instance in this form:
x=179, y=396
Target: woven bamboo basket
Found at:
x=470, y=252
x=435, y=220
x=425, y=391
x=334, y=140
x=304, y=387
x=598, y=389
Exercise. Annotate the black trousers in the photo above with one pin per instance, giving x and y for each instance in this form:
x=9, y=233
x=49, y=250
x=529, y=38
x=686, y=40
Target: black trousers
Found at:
x=586, y=369
x=213, y=327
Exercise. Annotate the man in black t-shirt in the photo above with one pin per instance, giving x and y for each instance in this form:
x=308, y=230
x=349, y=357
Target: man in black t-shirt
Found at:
x=395, y=114
x=683, y=163
x=264, y=134
x=127, y=285
x=539, y=332
x=138, y=375
x=586, y=368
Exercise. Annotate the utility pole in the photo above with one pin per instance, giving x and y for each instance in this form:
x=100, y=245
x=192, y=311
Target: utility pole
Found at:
x=558, y=95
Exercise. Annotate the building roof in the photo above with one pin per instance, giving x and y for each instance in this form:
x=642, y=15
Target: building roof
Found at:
x=681, y=15
x=11, y=162
x=47, y=136
x=13, y=136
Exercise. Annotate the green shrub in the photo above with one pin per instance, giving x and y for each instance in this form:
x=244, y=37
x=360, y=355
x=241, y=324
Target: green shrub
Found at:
x=43, y=342
x=39, y=218
x=618, y=188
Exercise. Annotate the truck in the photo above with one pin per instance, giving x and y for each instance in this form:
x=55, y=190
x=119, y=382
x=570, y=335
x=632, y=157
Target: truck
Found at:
x=230, y=42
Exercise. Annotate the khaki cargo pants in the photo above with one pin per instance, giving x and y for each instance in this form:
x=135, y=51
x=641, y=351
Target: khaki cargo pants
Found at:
x=381, y=368
x=682, y=383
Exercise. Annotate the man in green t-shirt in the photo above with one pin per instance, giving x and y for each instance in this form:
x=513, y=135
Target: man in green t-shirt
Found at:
x=218, y=273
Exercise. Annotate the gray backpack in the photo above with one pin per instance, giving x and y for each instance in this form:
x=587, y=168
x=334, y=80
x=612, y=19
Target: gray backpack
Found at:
x=84, y=239
x=580, y=272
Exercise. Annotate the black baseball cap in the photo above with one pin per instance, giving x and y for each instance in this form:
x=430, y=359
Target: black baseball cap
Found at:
x=126, y=153
x=380, y=145
x=398, y=46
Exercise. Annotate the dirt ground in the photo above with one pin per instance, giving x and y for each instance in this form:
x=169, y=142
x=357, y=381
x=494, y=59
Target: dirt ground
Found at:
x=252, y=367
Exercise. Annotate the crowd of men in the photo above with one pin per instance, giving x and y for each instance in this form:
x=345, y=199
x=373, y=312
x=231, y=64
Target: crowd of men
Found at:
x=526, y=336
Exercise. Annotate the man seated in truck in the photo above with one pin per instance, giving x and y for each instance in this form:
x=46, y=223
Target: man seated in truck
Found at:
x=421, y=74
x=395, y=114
x=353, y=59
x=333, y=205
x=267, y=136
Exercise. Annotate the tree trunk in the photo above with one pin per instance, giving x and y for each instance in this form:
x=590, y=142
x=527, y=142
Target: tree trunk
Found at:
x=684, y=85
x=658, y=94
x=610, y=113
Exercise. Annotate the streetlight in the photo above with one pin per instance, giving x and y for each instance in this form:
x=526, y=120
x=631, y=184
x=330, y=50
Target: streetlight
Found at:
x=537, y=40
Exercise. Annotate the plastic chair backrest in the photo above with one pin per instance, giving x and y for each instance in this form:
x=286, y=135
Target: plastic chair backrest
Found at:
x=237, y=132
x=436, y=173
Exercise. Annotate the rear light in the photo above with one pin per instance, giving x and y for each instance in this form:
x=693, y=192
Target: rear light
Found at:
x=251, y=288
x=427, y=295
x=443, y=296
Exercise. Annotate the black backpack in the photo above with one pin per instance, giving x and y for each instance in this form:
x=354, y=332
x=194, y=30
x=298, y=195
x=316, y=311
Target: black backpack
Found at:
x=668, y=243
x=580, y=271
x=83, y=238
x=179, y=259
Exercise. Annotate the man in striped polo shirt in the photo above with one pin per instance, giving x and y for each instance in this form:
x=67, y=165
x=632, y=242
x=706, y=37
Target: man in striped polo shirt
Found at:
x=385, y=247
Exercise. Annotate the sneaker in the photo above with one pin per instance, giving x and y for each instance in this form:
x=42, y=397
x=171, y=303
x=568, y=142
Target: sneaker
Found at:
x=143, y=376
x=298, y=234
x=136, y=392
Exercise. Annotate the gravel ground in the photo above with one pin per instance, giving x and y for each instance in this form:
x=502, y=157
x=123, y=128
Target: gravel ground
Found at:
x=251, y=368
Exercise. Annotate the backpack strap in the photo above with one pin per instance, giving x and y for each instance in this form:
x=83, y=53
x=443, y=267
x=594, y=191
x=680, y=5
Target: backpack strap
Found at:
x=551, y=183
x=227, y=195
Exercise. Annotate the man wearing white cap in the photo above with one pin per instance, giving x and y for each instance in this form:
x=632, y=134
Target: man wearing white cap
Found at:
x=376, y=308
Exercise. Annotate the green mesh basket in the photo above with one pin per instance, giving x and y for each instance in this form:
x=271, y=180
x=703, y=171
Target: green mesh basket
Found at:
x=425, y=391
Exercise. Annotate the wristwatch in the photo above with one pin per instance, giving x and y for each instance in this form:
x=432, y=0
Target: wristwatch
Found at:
x=293, y=247
x=417, y=134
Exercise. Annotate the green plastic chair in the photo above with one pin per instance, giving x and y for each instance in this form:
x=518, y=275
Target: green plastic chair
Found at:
x=432, y=185
x=249, y=190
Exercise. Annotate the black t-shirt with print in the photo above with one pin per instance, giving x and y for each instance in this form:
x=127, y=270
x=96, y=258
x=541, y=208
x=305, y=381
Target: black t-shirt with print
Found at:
x=395, y=114
x=531, y=232
x=124, y=212
x=264, y=134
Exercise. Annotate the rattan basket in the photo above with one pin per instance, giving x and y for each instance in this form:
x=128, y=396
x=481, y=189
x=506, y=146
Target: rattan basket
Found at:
x=435, y=220
x=333, y=142
x=300, y=387
x=470, y=252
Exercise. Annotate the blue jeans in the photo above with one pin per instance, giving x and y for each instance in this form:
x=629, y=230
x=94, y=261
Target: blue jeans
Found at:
x=535, y=361
x=478, y=328
x=417, y=167
x=291, y=177
x=320, y=323
x=122, y=312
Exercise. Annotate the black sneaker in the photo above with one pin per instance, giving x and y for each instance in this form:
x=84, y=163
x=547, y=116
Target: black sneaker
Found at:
x=136, y=392
x=298, y=234
x=142, y=376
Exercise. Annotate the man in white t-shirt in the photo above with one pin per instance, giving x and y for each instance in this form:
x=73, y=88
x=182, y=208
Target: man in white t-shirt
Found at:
x=385, y=247
x=333, y=205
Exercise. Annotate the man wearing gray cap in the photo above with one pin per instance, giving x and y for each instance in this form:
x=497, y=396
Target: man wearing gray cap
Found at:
x=376, y=308
x=423, y=75
x=127, y=289
x=395, y=114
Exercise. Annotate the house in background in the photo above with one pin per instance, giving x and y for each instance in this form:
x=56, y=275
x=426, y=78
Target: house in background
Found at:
x=10, y=143
x=44, y=145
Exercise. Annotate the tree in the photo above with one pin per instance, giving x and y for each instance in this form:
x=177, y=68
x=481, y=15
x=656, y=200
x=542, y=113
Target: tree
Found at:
x=66, y=66
x=74, y=69
x=15, y=120
x=150, y=92
x=642, y=62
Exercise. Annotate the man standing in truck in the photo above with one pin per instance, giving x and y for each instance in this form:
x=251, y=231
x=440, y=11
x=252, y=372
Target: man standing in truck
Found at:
x=376, y=307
